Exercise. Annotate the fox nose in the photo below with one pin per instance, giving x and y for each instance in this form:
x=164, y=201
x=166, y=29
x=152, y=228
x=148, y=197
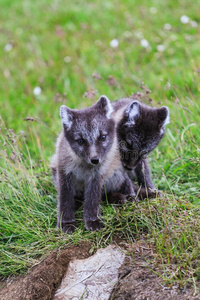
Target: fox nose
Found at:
x=95, y=160
x=127, y=168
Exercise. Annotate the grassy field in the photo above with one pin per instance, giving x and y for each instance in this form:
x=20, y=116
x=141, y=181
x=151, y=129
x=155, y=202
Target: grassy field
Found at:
x=66, y=49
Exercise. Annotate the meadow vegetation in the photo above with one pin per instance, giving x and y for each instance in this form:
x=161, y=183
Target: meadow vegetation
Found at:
x=66, y=49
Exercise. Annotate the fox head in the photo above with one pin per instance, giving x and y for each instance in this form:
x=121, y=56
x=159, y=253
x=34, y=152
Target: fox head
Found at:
x=139, y=131
x=90, y=131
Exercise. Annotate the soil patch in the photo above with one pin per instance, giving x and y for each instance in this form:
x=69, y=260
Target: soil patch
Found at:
x=42, y=280
x=138, y=279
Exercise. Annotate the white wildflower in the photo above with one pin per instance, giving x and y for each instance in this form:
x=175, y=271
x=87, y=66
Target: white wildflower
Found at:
x=167, y=26
x=37, y=91
x=67, y=59
x=193, y=23
x=19, y=31
x=160, y=48
x=153, y=10
x=184, y=19
x=173, y=37
x=188, y=37
x=8, y=47
x=139, y=35
x=127, y=34
x=114, y=43
x=30, y=65
x=144, y=43
x=6, y=73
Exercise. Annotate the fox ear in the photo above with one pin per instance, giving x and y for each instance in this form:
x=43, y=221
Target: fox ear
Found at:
x=163, y=116
x=105, y=106
x=133, y=112
x=66, y=116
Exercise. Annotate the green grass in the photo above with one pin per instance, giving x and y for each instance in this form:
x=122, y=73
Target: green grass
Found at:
x=59, y=46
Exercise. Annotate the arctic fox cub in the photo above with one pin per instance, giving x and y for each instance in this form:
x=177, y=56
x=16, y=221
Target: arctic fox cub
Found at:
x=139, y=129
x=87, y=161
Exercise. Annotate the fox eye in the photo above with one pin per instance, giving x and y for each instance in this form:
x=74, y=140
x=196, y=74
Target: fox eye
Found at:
x=128, y=145
x=143, y=153
x=80, y=141
x=102, y=138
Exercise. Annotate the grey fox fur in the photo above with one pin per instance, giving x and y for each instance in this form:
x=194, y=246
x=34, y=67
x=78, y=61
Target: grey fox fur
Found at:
x=139, y=129
x=86, y=160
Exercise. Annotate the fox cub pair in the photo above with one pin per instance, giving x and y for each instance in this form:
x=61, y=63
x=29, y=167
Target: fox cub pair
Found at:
x=98, y=151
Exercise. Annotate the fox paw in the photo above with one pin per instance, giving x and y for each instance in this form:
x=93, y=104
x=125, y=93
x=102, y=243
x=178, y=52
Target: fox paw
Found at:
x=132, y=198
x=67, y=227
x=149, y=193
x=159, y=194
x=117, y=198
x=94, y=225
